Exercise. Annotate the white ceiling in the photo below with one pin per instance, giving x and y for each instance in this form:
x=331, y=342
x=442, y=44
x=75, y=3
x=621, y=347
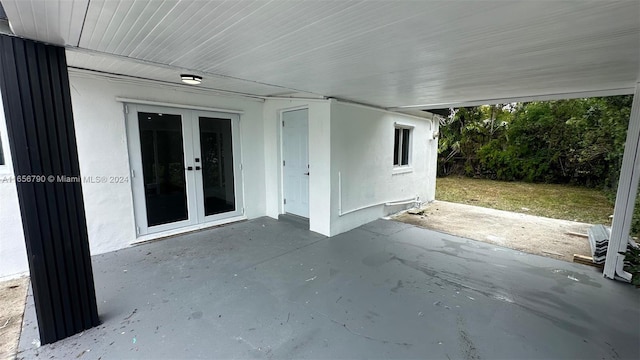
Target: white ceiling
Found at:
x=385, y=53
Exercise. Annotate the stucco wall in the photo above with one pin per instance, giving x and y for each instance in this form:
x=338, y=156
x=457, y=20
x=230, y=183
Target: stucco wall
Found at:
x=13, y=253
x=102, y=149
x=352, y=140
x=319, y=160
x=362, y=141
x=357, y=142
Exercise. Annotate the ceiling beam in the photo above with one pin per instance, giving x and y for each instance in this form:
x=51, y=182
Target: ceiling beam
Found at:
x=540, y=97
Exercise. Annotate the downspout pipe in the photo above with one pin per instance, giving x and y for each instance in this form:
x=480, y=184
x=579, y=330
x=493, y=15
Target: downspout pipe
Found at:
x=415, y=200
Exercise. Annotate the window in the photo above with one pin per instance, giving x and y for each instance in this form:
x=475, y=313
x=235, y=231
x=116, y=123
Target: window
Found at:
x=401, y=146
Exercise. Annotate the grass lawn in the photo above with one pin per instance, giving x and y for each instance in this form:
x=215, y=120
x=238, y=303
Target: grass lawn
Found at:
x=549, y=200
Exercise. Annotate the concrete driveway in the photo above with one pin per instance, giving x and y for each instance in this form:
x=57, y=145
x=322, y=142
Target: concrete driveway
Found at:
x=271, y=289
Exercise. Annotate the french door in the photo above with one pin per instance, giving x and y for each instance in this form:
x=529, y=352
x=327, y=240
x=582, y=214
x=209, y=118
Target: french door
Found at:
x=185, y=167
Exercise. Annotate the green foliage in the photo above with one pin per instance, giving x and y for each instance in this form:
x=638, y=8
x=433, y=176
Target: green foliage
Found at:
x=577, y=141
x=465, y=133
x=632, y=256
x=632, y=265
x=635, y=222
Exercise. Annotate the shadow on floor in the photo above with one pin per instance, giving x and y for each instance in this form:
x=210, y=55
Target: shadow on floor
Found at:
x=271, y=289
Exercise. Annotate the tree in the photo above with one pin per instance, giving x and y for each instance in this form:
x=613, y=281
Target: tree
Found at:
x=576, y=141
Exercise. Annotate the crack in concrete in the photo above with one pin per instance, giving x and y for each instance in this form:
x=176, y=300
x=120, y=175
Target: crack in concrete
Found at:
x=383, y=341
x=466, y=345
x=369, y=337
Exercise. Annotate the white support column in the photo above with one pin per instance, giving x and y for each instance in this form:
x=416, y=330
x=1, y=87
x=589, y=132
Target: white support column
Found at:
x=625, y=197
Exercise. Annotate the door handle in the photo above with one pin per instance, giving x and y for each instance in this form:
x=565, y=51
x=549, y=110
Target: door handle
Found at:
x=197, y=167
x=306, y=173
x=189, y=168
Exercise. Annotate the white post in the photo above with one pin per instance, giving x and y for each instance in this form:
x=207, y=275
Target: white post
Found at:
x=625, y=197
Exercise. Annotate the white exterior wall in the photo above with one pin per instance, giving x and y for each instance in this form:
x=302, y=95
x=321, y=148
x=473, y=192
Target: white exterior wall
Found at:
x=357, y=142
x=13, y=253
x=319, y=160
x=102, y=149
x=352, y=140
x=362, y=141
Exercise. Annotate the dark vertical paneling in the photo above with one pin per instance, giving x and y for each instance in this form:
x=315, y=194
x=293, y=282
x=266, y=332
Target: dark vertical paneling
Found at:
x=37, y=101
x=76, y=203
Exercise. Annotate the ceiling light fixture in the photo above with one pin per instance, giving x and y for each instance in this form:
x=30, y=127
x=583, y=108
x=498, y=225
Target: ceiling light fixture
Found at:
x=191, y=79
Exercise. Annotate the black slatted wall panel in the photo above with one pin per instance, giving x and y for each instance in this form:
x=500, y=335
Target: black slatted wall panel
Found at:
x=37, y=103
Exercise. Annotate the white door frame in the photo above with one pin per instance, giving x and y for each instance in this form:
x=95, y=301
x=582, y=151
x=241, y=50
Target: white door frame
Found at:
x=281, y=153
x=193, y=179
x=137, y=177
x=237, y=165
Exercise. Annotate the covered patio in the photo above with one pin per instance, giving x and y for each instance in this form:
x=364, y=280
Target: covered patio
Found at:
x=272, y=289
x=78, y=77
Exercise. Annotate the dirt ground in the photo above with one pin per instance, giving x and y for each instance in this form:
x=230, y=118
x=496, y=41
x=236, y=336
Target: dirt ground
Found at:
x=13, y=294
x=526, y=233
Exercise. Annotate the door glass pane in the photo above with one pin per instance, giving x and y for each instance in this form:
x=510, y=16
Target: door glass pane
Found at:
x=163, y=167
x=217, y=165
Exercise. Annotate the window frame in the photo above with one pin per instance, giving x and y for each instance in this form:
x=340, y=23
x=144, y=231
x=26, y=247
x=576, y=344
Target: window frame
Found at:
x=400, y=146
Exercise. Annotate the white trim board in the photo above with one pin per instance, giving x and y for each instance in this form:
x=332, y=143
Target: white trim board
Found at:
x=393, y=111
x=186, y=229
x=540, y=97
x=178, y=106
x=96, y=74
x=625, y=197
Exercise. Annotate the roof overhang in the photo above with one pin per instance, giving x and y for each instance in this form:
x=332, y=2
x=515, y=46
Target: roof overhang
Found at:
x=393, y=54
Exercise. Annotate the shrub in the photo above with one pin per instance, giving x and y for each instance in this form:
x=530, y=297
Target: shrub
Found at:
x=632, y=265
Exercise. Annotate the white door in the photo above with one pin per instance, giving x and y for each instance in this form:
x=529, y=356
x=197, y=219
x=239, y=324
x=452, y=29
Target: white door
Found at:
x=185, y=167
x=217, y=165
x=295, y=161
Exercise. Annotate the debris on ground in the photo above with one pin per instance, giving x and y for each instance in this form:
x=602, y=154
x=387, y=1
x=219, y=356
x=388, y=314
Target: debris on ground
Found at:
x=523, y=232
x=598, y=236
x=13, y=294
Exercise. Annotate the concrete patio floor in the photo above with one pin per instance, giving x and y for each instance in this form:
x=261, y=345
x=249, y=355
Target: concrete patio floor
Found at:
x=271, y=289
